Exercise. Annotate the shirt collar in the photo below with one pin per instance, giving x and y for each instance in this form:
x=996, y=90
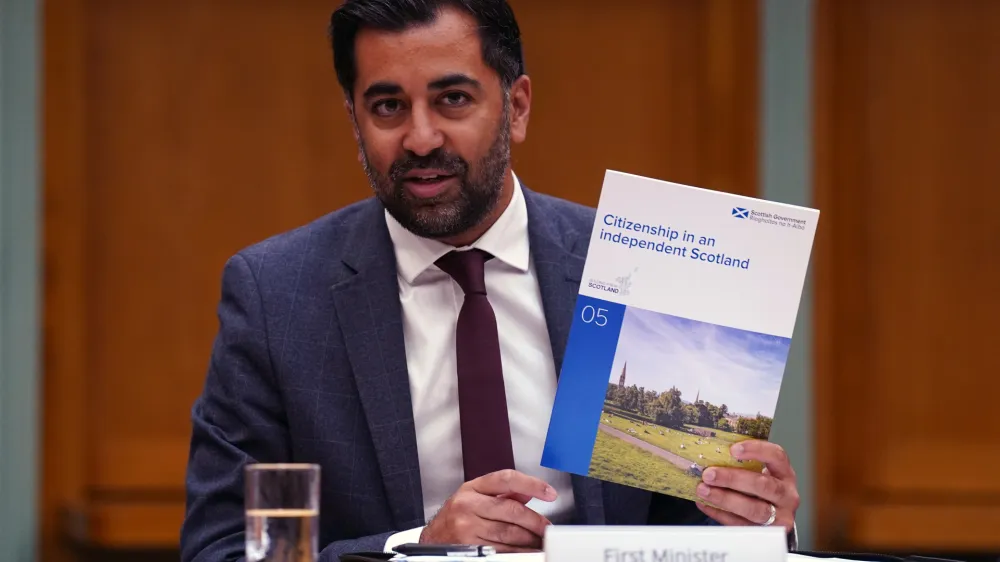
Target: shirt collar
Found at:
x=506, y=240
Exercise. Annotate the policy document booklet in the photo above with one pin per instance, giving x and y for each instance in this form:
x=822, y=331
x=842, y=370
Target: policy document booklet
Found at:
x=681, y=333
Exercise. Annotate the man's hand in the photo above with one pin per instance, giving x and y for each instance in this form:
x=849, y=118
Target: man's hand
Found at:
x=743, y=496
x=490, y=510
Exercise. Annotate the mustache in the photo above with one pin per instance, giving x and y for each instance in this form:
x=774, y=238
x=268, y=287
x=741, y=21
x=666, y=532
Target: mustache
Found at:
x=450, y=163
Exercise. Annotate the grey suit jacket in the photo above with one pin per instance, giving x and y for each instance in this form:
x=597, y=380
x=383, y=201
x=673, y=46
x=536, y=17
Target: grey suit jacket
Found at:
x=309, y=366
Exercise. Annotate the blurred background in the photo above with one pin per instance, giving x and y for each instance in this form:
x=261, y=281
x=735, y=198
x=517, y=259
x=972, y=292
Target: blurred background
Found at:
x=142, y=142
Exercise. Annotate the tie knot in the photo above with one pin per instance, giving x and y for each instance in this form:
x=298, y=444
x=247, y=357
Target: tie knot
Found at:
x=467, y=269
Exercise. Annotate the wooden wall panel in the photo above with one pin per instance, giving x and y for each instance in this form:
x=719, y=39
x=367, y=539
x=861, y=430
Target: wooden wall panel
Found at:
x=661, y=88
x=907, y=100
x=64, y=205
x=178, y=132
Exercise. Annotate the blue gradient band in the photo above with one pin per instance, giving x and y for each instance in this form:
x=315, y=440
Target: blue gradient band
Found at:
x=583, y=384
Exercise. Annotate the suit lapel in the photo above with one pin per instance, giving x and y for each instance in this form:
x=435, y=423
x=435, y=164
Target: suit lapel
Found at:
x=367, y=305
x=558, y=256
x=559, y=268
x=370, y=316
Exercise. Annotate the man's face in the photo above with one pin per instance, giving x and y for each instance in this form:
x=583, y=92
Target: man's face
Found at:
x=434, y=125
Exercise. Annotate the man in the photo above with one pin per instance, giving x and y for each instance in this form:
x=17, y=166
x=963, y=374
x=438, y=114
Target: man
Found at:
x=409, y=343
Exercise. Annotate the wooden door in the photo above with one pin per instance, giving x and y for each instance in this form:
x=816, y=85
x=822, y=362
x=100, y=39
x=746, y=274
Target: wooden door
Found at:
x=908, y=109
x=179, y=131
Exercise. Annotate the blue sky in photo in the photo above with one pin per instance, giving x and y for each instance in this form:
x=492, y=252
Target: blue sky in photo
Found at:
x=734, y=367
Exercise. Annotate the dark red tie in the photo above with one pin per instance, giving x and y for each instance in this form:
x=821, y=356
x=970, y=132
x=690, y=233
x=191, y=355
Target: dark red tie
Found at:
x=482, y=402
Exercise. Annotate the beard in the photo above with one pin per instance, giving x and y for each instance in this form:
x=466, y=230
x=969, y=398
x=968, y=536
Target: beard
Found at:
x=447, y=214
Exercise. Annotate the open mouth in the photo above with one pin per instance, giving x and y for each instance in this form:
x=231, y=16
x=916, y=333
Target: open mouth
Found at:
x=428, y=179
x=428, y=184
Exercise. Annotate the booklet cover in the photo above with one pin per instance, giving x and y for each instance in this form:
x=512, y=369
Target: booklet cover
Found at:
x=681, y=333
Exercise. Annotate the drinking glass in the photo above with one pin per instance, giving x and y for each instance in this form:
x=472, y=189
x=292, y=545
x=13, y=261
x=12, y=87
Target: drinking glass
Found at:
x=282, y=512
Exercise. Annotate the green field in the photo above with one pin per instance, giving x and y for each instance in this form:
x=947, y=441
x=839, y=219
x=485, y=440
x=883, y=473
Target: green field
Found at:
x=617, y=461
x=671, y=440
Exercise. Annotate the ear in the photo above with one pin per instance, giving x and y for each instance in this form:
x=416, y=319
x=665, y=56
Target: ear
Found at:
x=520, y=108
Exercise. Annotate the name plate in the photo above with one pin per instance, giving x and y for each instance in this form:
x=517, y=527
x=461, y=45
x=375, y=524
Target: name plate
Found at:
x=665, y=544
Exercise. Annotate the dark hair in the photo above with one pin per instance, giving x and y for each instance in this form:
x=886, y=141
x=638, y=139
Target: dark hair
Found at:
x=498, y=31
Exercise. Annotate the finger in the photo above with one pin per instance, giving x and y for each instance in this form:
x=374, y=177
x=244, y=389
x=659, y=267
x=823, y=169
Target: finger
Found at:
x=732, y=519
x=723, y=517
x=511, y=481
x=763, y=486
x=512, y=512
x=754, y=510
x=521, y=498
x=508, y=534
x=771, y=454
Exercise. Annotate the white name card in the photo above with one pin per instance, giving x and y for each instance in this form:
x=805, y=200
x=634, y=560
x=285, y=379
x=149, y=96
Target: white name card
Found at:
x=665, y=544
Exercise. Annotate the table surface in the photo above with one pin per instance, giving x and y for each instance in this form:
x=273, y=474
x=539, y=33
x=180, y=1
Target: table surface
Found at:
x=540, y=557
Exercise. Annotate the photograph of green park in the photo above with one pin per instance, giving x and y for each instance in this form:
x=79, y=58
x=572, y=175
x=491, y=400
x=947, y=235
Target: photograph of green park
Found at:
x=681, y=393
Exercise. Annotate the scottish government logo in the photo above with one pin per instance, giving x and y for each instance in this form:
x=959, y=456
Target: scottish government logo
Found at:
x=768, y=218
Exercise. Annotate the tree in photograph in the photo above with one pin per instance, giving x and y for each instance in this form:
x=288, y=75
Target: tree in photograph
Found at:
x=669, y=409
x=691, y=414
x=722, y=413
x=758, y=427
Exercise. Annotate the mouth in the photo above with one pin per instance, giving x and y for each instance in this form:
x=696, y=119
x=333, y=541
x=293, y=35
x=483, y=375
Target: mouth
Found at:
x=425, y=184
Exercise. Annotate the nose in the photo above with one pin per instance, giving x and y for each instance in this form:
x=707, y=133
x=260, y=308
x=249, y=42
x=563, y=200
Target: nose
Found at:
x=424, y=136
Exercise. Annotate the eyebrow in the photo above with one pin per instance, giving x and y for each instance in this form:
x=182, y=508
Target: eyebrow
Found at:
x=454, y=80
x=448, y=81
x=381, y=89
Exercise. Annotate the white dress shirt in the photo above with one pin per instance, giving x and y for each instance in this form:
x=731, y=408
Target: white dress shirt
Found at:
x=431, y=301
